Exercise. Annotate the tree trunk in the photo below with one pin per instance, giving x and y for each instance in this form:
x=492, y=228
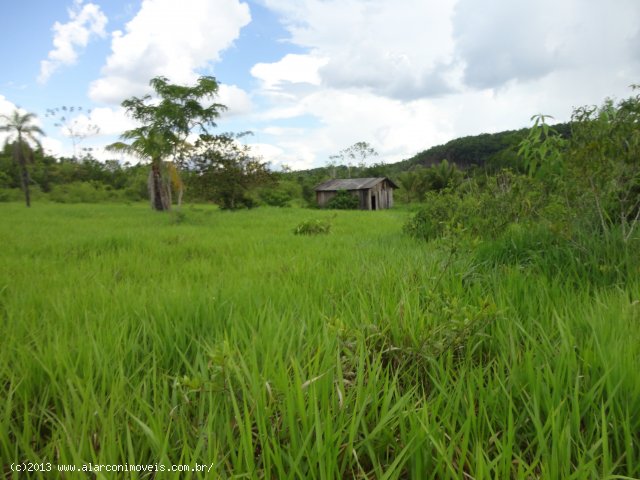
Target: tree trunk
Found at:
x=157, y=191
x=24, y=173
x=25, y=184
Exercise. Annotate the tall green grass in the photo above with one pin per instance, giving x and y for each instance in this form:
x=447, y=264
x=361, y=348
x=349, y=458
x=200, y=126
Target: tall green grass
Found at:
x=223, y=338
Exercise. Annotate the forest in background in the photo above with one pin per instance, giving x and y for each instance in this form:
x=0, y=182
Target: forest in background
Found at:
x=87, y=180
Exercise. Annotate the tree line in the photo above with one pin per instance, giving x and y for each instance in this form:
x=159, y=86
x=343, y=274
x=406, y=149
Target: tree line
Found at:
x=180, y=152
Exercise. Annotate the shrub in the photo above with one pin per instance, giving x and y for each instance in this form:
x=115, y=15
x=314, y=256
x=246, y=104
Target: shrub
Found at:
x=313, y=227
x=343, y=200
x=275, y=197
x=11, y=195
x=485, y=211
x=84, y=192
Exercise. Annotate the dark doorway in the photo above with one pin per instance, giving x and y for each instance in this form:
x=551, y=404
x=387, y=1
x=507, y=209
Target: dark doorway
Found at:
x=373, y=202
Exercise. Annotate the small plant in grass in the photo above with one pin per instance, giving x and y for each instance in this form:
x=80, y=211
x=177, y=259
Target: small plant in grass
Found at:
x=313, y=227
x=178, y=217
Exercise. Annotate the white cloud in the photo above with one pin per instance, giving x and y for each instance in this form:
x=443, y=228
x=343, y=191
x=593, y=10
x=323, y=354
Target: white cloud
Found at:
x=235, y=99
x=110, y=121
x=6, y=107
x=498, y=40
x=407, y=75
x=402, y=50
x=85, y=22
x=168, y=38
x=54, y=147
x=290, y=69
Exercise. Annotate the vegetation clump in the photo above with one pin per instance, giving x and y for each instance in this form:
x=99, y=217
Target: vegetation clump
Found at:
x=343, y=200
x=313, y=227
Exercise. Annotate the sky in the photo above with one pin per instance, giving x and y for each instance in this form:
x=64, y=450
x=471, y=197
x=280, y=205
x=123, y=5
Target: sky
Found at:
x=310, y=78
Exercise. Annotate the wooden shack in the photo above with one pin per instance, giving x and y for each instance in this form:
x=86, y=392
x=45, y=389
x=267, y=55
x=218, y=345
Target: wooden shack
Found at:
x=373, y=193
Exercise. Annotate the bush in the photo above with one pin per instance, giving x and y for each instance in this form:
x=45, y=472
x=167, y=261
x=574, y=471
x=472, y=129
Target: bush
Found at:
x=343, y=200
x=84, y=192
x=11, y=195
x=275, y=197
x=313, y=227
x=486, y=211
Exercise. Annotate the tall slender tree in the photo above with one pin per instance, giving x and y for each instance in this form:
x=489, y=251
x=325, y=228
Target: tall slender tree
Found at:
x=149, y=144
x=24, y=136
x=167, y=119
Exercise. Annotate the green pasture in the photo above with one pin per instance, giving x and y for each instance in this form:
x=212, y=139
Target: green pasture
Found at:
x=221, y=338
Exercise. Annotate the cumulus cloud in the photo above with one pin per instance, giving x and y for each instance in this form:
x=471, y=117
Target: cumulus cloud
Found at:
x=392, y=127
x=6, y=107
x=168, y=38
x=237, y=101
x=85, y=22
x=500, y=41
x=409, y=75
x=401, y=51
x=109, y=121
x=292, y=68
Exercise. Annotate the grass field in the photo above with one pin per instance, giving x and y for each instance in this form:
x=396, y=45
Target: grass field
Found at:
x=223, y=339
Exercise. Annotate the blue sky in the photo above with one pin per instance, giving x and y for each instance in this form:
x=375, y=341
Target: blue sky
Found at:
x=312, y=77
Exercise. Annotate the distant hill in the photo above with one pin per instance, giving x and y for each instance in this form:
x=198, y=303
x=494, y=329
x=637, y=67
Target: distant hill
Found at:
x=490, y=150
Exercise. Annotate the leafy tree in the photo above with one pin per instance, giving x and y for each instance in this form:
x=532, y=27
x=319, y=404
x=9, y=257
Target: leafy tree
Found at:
x=542, y=148
x=225, y=170
x=24, y=134
x=417, y=182
x=604, y=161
x=413, y=184
x=166, y=122
x=443, y=175
x=151, y=144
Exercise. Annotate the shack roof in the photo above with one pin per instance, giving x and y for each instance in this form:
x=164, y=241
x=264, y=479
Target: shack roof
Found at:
x=351, y=184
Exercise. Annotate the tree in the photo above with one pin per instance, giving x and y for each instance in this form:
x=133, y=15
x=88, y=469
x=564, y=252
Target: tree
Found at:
x=151, y=144
x=356, y=154
x=24, y=136
x=166, y=121
x=73, y=128
x=225, y=170
x=443, y=175
x=604, y=160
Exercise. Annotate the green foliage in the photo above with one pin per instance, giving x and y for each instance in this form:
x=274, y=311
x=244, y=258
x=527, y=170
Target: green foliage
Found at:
x=604, y=168
x=10, y=195
x=417, y=182
x=542, y=149
x=343, y=200
x=282, y=194
x=484, y=211
x=225, y=171
x=85, y=192
x=23, y=136
x=313, y=227
x=275, y=197
x=165, y=126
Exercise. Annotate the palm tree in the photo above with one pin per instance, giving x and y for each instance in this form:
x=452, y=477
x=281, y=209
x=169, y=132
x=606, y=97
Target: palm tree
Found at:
x=23, y=134
x=149, y=144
